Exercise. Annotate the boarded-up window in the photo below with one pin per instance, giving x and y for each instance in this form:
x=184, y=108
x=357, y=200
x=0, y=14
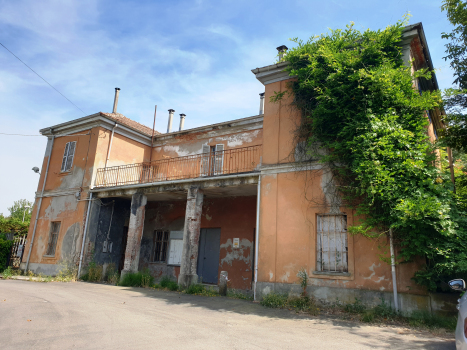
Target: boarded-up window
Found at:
x=332, y=248
x=53, y=237
x=175, y=252
x=68, y=156
x=161, y=240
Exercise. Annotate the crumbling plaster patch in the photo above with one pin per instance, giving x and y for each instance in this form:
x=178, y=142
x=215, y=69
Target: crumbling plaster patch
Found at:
x=246, y=247
x=237, y=140
x=59, y=205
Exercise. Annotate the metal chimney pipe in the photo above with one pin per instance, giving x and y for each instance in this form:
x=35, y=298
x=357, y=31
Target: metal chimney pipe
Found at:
x=261, y=103
x=182, y=121
x=171, y=115
x=117, y=92
x=282, y=50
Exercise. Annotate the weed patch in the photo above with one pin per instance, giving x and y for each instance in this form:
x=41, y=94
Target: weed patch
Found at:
x=274, y=300
x=138, y=279
x=169, y=284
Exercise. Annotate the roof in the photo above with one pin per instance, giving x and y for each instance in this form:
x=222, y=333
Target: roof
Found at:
x=120, y=118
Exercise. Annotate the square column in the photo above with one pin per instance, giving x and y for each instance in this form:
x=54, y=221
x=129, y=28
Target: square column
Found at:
x=135, y=233
x=191, y=231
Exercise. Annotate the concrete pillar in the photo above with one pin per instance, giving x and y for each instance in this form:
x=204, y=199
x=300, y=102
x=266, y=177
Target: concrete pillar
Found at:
x=135, y=233
x=194, y=207
x=223, y=280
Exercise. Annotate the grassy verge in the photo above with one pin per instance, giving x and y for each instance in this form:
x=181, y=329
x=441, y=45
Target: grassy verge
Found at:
x=357, y=311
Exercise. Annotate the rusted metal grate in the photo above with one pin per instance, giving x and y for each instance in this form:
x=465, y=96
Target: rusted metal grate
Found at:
x=161, y=241
x=332, y=247
x=54, y=231
x=211, y=163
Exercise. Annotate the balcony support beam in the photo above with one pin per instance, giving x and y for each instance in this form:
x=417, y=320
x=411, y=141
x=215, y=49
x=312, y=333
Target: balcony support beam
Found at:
x=135, y=233
x=191, y=231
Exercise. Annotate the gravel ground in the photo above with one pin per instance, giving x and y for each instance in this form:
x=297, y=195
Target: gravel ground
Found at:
x=96, y=316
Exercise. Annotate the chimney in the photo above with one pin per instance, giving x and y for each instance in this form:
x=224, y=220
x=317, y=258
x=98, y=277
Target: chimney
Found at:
x=182, y=121
x=117, y=92
x=261, y=103
x=282, y=50
x=171, y=115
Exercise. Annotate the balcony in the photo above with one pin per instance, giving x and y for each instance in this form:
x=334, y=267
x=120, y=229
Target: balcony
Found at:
x=212, y=163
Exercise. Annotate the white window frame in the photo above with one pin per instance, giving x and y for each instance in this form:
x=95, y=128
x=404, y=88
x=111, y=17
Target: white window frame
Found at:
x=68, y=157
x=332, y=244
x=218, y=159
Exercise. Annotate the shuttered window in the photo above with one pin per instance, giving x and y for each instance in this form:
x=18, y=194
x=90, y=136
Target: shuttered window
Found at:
x=205, y=160
x=161, y=240
x=175, y=252
x=68, y=156
x=332, y=246
x=219, y=160
x=53, y=238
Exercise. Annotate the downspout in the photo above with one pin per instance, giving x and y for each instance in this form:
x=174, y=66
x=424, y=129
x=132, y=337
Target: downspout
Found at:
x=258, y=202
x=84, y=234
x=40, y=201
x=110, y=145
x=393, y=270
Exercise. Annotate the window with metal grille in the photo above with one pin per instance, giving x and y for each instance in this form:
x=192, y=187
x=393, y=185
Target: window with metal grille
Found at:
x=68, y=156
x=332, y=248
x=53, y=238
x=161, y=240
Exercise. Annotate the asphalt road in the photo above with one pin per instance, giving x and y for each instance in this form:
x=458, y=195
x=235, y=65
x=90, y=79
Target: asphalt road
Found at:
x=36, y=315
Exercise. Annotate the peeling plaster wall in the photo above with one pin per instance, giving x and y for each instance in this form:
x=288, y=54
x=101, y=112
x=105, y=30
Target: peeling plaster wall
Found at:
x=190, y=144
x=235, y=216
x=59, y=202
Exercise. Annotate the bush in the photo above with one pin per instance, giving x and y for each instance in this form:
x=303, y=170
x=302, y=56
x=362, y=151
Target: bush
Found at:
x=5, y=249
x=274, y=300
x=426, y=319
x=195, y=289
x=138, y=279
x=169, y=284
x=95, y=272
x=356, y=308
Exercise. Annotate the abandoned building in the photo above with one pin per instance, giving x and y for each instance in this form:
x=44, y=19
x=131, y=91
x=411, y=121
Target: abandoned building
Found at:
x=189, y=204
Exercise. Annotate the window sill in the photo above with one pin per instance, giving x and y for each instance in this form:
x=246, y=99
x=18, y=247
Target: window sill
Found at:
x=330, y=274
x=64, y=173
x=48, y=256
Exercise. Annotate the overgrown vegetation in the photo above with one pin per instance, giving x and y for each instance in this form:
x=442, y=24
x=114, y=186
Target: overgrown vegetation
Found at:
x=138, y=279
x=5, y=249
x=301, y=303
x=167, y=283
x=363, y=119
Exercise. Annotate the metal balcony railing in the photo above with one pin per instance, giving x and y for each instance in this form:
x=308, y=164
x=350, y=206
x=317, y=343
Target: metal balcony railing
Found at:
x=214, y=163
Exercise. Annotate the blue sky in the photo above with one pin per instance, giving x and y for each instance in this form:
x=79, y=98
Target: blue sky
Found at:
x=193, y=56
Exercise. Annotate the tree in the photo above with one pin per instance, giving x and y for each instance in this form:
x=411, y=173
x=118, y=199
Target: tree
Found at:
x=21, y=207
x=455, y=99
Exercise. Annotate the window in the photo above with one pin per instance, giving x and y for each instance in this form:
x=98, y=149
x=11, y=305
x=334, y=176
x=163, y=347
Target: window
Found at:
x=332, y=248
x=212, y=162
x=161, y=240
x=54, y=230
x=68, y=155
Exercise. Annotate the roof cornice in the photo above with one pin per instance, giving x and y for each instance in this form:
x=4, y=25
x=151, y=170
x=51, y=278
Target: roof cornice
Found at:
x=92, y=121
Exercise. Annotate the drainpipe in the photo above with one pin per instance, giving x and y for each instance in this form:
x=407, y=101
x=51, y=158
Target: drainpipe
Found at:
x=84, y=234
x=110, y=146
x=40, y=201
x=258, y=202
x=393, y=270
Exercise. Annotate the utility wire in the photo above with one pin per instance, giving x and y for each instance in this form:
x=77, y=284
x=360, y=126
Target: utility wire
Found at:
x=58, y=135
x=41, y=78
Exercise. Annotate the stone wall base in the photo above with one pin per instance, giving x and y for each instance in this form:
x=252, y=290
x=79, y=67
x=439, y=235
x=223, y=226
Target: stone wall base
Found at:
x=438, y=303
x=45, y=269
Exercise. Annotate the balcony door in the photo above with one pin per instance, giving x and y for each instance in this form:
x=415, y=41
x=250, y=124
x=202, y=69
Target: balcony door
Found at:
x=212, y=161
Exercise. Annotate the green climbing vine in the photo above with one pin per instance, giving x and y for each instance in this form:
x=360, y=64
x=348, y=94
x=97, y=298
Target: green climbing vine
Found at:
x=358, y=103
